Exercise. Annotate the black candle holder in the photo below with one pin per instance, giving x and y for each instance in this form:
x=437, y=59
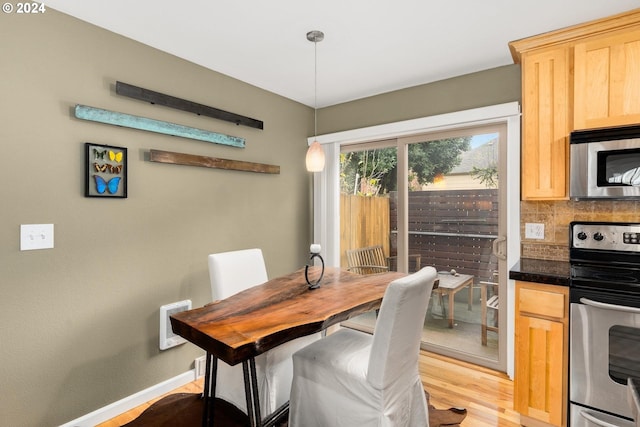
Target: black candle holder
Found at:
x=315, y=253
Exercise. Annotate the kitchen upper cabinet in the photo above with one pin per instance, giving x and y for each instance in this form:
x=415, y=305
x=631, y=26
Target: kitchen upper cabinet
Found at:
x=541, y=354
x=607, y=80
x=580, y=77
x=545, y=149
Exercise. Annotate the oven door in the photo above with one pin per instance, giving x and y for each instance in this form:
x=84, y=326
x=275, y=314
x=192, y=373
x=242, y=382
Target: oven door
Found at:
x=604, y=352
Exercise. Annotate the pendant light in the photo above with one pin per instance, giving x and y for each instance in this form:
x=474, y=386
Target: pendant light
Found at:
x=315, y=154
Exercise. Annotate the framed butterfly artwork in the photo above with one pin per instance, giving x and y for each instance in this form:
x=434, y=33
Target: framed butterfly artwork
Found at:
x=105, y=171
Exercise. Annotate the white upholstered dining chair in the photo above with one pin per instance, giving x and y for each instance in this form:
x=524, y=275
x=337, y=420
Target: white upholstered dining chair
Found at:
x=230, y=273
x=351, y=378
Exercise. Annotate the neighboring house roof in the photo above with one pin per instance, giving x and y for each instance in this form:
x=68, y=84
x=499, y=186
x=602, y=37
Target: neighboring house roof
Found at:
x=481, y=157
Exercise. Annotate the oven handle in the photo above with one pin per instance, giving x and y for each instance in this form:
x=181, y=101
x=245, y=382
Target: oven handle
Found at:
x=586, y=415
x=606, y=306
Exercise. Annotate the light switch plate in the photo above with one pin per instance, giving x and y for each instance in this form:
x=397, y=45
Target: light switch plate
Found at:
x=36, y=236
x=533, y=230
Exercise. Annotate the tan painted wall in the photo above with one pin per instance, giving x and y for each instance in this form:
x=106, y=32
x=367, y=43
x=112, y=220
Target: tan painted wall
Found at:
x=79, y=323
x=489, y=87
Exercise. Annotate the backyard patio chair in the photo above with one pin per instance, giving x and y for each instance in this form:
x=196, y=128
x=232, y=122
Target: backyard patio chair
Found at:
x=490, y=301
x=369, y=260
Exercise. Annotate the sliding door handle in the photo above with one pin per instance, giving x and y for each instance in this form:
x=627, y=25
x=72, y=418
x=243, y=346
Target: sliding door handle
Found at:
x=498, y=248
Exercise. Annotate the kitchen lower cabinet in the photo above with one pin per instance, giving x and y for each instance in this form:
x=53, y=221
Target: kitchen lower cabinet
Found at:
x=541, y=354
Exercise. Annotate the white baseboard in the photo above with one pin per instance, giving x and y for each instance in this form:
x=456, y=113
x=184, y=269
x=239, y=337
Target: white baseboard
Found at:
x=123, y=405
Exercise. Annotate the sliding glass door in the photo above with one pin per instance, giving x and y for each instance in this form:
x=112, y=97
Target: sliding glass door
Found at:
x=453, y=222
x=433, y=200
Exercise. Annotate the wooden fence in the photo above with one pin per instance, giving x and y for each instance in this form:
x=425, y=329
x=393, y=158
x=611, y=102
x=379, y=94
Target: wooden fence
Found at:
x=364, y=221
x=449, y=229
x=453, y=229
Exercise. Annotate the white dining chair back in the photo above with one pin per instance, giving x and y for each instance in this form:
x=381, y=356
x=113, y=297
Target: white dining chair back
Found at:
x=396, y=340
x=236, y=271
x=352, y=378
x=230, y=273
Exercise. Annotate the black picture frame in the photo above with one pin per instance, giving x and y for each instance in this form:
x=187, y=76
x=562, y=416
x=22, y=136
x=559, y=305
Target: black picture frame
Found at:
x=105, y=171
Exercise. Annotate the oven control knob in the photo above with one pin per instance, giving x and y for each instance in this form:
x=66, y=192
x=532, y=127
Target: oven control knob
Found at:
x=582, y=235
x=598, y=237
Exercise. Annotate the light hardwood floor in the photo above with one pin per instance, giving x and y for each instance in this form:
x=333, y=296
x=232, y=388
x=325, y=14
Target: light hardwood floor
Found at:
x=487, y=395
x=193, y=387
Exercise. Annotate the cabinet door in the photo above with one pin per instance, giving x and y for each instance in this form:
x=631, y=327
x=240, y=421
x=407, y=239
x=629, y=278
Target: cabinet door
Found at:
x=541, y=359
x=545, y=127
x=539, y=369
x=607, y=80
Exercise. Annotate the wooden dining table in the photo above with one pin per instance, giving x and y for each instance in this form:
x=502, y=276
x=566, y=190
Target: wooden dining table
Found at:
x=251, y=322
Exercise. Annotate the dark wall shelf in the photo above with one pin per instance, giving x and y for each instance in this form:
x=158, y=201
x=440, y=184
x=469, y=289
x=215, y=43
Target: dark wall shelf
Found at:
x=158, y=98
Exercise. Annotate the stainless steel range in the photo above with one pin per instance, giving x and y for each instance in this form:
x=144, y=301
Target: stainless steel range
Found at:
x=604, y=335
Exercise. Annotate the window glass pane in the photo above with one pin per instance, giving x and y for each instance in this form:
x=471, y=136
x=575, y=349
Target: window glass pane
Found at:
x=367, y=179
x=624, y=353
x=453, y=220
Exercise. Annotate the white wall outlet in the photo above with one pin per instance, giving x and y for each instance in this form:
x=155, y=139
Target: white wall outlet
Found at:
x=200, y=365
x=533, y=230
x=36, y=236
x=168, y=338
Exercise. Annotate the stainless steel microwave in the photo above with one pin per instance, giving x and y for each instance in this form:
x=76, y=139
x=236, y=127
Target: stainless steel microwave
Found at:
x=605, y=163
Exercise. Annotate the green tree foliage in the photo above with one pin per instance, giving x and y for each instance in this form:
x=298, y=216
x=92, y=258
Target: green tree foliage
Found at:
x=373, y=172
x=364, y=172
x=487, y=176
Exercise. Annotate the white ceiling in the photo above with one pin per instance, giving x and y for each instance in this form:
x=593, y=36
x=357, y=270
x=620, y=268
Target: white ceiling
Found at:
x=370, y=46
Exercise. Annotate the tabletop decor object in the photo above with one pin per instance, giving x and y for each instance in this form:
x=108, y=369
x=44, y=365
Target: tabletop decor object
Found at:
x=314, y=250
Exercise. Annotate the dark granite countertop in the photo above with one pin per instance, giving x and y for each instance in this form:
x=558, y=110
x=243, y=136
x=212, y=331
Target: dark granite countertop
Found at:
x=541, y=271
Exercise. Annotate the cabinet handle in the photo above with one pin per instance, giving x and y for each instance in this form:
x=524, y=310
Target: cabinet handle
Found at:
x=606, y=306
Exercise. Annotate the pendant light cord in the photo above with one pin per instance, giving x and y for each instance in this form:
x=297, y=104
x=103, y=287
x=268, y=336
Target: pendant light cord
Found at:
x=315, y=37
x=315, y=85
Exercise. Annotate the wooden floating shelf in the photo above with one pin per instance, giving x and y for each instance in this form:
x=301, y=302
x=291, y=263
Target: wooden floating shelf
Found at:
x=142, y=123
x=158, y=98
x=210, y=162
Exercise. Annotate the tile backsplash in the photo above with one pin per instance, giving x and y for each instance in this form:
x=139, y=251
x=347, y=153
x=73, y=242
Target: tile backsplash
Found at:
x=556, y=216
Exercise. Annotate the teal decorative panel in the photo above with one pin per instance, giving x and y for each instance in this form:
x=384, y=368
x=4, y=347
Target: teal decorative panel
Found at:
x=142, y=123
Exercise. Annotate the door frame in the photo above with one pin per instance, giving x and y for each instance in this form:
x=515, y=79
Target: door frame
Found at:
x=326, y=190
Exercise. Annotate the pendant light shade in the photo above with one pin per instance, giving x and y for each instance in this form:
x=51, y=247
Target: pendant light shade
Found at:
x=315, y=157
x=315, y=153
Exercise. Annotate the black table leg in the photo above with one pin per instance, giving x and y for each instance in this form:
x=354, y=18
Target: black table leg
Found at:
x=251, y=392
x=256, y=394
x=209, y=393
